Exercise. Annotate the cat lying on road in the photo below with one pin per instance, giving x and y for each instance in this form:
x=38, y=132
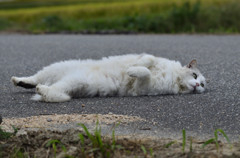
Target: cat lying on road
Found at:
x=126, y=75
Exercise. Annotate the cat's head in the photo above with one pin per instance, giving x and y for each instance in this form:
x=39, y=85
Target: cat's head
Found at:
x=191, y=80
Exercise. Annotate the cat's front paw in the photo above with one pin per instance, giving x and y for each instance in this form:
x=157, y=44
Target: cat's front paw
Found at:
x=131, y=72
x=138, y=71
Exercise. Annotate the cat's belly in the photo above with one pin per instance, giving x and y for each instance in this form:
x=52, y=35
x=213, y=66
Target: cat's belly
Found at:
x=105, y=84
x=96, y=84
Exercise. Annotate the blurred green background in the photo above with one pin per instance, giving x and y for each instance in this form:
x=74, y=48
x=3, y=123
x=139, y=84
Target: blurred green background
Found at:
x=120, y=16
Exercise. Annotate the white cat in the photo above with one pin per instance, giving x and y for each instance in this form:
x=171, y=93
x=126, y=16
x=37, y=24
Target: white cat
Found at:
x=126, y=75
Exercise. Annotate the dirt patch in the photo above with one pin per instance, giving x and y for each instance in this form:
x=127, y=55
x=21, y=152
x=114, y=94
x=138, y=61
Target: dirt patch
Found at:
x=45, y=121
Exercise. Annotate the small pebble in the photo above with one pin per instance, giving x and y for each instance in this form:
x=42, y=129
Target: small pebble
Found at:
x=49, y=120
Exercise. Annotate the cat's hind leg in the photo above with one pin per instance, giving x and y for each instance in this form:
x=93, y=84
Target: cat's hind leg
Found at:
x=25, y=82
x=50, y=94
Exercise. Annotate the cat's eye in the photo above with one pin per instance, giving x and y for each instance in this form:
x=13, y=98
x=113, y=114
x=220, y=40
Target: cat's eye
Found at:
x=194, y=76
x=202, y=84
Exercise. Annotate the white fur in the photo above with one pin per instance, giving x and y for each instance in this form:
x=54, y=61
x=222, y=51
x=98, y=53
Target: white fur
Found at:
x=126, y=75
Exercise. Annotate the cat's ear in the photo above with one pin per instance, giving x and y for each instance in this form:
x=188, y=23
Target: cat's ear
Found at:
x=192, y=64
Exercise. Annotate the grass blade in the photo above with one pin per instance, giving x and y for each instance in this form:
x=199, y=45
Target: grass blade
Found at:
x=184, y=140
x=169, y=144
x=81, y=137
x=82, y=140
x=144, y=150
x=4, y=135
x=223, y=133
x=113, y=136
x=113, y=139
x=225, y=136
x=98, y=137
x=208, y=142
x=190, y=148
x=53, y=144
x=88, y=133
x=63, y=148
x=216, y=138
x=151, y=152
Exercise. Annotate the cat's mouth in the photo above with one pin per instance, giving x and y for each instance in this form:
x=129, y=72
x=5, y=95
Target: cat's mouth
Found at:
x=194, y=89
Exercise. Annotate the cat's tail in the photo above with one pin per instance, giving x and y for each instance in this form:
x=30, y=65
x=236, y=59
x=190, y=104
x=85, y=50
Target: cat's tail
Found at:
x=25, y=82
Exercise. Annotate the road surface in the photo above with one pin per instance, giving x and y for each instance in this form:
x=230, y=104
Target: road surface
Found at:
x=218, y=59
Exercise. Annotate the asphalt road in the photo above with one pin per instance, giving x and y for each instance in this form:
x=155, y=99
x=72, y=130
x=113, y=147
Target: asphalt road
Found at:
x=218, y=59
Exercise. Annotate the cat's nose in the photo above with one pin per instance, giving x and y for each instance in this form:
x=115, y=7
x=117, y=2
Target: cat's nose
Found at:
x=197, y=85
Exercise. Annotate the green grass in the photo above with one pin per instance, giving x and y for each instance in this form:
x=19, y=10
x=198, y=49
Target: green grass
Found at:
x=146, y=153
x=53, y=143
x=183, y=140
x=7, y=135
x=141, y=16
x=215, y=139
x=106, y=150
x=19, y=4
x=170, y=144
x=4, y=134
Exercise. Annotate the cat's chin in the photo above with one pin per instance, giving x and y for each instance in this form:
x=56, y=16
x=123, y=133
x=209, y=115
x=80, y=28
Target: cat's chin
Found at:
x=191, y=91
x=196, y=91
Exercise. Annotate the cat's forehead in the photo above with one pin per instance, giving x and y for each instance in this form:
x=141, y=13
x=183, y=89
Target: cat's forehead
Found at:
x=196, y=71
x=192, y=70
